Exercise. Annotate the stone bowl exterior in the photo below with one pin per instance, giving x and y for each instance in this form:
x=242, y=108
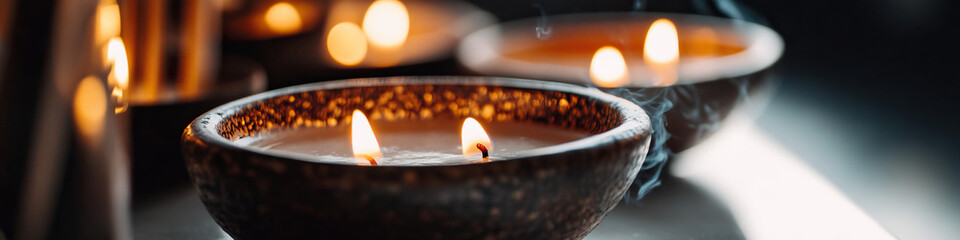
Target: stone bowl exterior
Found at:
x=556, y=192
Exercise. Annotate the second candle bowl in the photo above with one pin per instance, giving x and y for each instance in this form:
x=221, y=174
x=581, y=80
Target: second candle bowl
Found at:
x=555, y=192
x=720, y=63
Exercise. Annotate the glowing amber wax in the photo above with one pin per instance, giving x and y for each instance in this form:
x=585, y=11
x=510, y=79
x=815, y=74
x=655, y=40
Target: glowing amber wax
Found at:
x=582, y=47
x=414, y=142
x=705, y=48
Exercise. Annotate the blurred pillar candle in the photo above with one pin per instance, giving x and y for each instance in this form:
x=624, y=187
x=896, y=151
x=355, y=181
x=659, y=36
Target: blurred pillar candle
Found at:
x=173, y=71
x=155, y=32
x=160, y=60
x=77, y=179
x=103, y=166
x=199, y=47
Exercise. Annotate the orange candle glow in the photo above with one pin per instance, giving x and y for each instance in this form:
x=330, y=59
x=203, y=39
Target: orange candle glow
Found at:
x=347, y=44
x=385, y=27
x=387, y=23
x=283, y=18
x=108, y=21
x=90, y=108
x=396, y=32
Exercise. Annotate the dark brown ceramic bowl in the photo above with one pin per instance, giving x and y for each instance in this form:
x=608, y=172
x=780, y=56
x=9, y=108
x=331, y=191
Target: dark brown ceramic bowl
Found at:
x=722, y=61
x=555, y=192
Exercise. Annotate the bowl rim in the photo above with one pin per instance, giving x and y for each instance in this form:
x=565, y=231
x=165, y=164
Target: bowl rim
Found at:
x=481, y=50
x=635, y=121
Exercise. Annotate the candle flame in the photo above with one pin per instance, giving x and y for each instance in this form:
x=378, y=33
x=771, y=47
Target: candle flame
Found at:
x=119, y=77
x=474, y=139
x=661, y=51
x=387, y=23
x=608, y=68
x=365, y=146
x=347, y=44
x=283, y=18
x=117, y=54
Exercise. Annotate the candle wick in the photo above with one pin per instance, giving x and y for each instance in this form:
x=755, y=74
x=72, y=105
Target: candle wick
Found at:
x=483, y=151
x=373, y=162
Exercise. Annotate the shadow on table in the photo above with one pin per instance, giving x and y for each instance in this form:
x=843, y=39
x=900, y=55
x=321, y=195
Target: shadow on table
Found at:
x=174, y=214
x=675, y=210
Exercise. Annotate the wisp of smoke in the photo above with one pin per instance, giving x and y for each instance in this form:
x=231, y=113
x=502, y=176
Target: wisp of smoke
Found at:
x=683, y=104
x=543, y=29
x=656, y=103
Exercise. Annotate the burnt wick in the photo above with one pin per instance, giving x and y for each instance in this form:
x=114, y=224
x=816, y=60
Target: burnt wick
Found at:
x=483, y=152
x=373, y=162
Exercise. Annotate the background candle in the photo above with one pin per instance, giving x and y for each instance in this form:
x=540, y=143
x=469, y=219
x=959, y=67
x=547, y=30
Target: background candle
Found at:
x=346, y=43
x=408, y=142
x=697, y=70
x=260, y=20
x=720, y=61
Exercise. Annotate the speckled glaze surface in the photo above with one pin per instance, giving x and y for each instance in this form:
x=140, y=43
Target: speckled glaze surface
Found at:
x=556, y=192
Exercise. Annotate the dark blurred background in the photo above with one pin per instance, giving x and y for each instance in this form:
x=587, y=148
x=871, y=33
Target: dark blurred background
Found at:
x=869, y=98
